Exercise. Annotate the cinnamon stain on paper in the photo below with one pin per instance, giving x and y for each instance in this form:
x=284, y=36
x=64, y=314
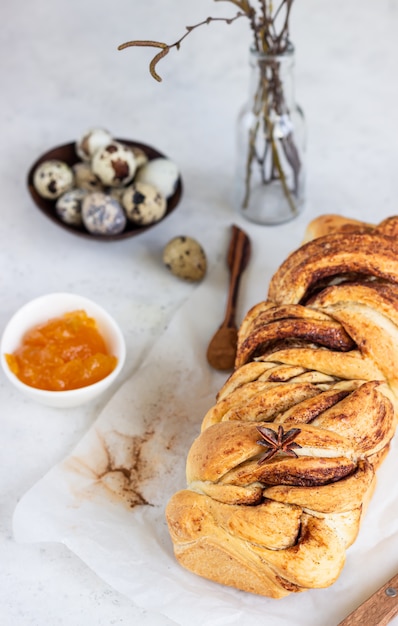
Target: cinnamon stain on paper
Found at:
x=117, y=467
x=124, y=468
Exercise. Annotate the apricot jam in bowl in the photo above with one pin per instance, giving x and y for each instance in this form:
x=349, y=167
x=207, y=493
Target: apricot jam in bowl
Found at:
x=62, y=350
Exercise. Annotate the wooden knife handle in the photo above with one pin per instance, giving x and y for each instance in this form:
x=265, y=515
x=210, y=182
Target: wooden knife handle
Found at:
x=379, y=609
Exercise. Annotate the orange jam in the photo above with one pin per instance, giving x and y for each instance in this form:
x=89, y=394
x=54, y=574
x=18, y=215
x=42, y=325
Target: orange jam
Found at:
x=64, y=353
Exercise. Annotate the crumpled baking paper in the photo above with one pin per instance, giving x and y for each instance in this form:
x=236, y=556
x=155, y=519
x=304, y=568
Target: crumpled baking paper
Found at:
x=106, y=500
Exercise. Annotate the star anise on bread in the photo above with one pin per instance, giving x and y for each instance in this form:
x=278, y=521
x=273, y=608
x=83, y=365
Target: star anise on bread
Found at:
x=277, y=442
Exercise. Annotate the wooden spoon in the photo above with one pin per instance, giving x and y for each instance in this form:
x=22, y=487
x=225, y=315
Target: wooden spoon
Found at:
x=221, y=351
x=379, y=609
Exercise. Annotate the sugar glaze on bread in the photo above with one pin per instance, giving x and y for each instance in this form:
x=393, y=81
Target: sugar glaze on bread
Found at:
x=318, y=358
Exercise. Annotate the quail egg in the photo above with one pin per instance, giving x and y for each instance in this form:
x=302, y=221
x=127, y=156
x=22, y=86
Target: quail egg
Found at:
x=69, y=206
x=102, y=214
x=143, y=204
x=91, y=141
x=114, y=164
x=162, y=173
x=53, y=178
x=185, y=258
x=85, y=178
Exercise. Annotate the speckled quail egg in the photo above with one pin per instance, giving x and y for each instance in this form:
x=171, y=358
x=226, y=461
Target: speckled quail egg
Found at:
x=69, y=206
x=162, y=173
x=85, y=178
x=91, y=141
x=114, y=164
x=103, y=215
x=52, y=178
x=143, y=204
x=185, y=258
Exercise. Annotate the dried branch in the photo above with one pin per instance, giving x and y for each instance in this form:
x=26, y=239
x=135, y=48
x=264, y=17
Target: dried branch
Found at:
x=153, y=63
x=269, y=23
x=282, y=40
x=143, y=42
x=262, y=21
x=167, y=47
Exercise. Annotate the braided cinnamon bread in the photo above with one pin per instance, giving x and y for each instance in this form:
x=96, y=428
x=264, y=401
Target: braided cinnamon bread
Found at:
x=285, y=463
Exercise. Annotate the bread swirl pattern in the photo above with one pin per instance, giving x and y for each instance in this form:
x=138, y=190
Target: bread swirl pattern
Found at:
x=317, y=359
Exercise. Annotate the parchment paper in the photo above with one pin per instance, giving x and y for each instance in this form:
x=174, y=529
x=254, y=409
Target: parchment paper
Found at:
x=106, y=500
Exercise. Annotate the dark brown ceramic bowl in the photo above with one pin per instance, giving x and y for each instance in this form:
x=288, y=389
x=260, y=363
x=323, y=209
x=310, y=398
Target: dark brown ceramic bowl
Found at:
x=68, y=154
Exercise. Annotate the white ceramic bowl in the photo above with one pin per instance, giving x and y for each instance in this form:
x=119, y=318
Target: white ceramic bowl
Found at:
x=40, y=310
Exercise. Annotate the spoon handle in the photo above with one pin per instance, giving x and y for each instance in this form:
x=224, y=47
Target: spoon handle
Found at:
x=237, y=259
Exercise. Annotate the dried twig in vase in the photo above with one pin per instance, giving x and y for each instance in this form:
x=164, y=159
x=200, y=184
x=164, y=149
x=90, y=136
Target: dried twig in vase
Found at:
x=269, y=24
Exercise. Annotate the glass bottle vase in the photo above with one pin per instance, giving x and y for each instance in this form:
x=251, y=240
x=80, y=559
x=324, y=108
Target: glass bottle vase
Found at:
x=270, y=176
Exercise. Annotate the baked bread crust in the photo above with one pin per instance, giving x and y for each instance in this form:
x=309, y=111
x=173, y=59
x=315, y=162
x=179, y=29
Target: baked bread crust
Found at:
x=284, y=466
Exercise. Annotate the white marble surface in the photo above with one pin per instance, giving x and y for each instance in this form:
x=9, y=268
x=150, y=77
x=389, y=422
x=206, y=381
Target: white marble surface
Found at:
x=60, y=74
